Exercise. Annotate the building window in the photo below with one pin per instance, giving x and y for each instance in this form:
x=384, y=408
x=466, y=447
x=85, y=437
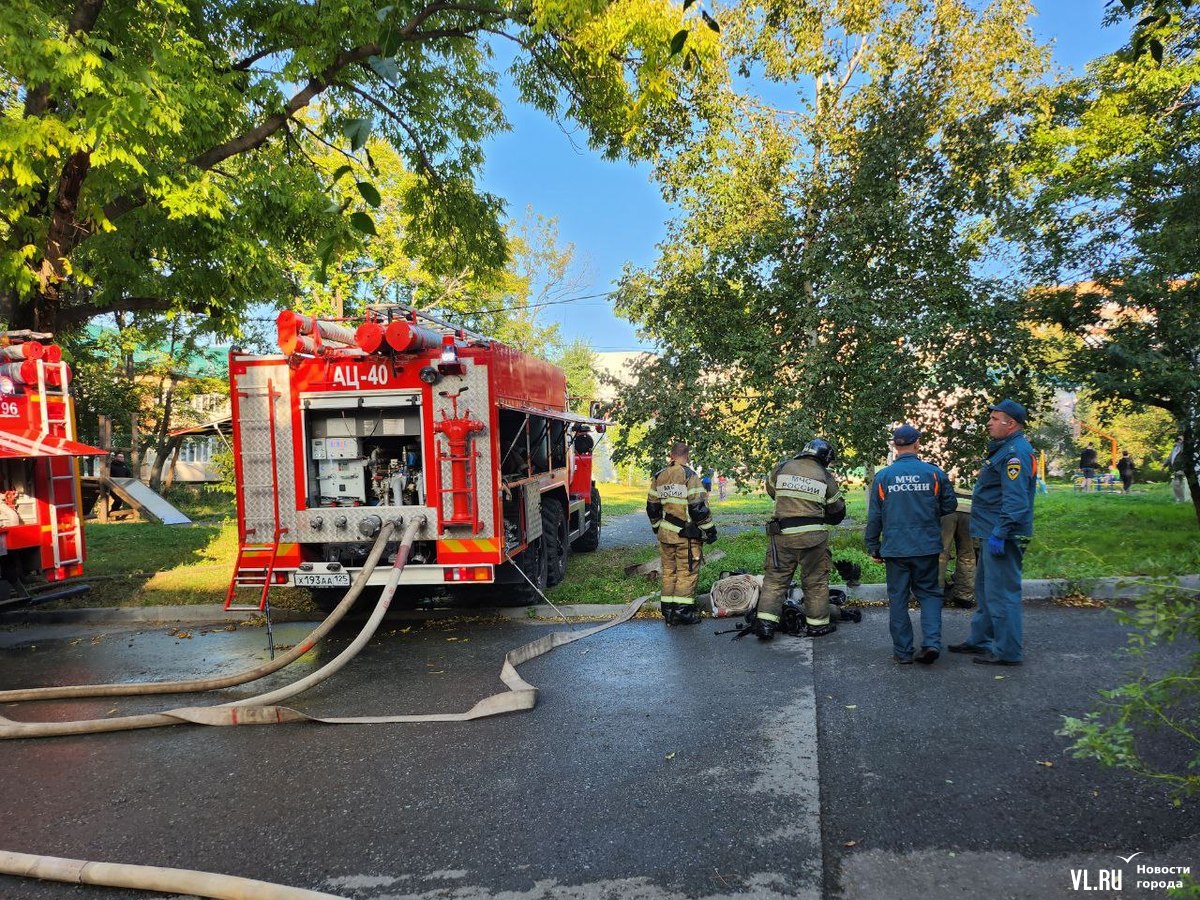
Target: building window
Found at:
x=196, y=450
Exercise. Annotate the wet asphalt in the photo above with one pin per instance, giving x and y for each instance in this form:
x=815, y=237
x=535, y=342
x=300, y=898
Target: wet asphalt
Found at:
x=659, y=763
x=646, y=770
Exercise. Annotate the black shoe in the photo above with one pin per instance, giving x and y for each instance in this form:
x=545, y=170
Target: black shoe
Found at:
x=966, y=648
x=687, y=615
x=926, y=655
x=990, y=660
x=962, y=603
x=849, y=615
x=902, y=660
x=763, y=629
x=820, y=630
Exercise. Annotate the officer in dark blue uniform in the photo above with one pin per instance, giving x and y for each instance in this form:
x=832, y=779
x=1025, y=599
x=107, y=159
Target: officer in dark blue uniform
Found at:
x=1002, y=520
x=904, y=529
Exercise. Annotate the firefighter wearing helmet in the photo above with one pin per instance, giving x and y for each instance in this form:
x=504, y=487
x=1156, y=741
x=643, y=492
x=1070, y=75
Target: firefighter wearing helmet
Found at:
x=808, y=502
x=677, y=506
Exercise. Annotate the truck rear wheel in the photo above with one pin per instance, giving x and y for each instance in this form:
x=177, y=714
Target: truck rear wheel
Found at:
x=590, y=539
x=556, y=540
x=533, y=562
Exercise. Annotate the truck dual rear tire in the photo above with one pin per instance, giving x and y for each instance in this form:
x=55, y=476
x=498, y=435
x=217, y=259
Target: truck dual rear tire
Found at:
x=556, y=539
x=590, y=539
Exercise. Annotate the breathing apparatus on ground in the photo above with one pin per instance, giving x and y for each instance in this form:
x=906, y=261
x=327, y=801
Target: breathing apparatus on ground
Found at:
x=792, y=619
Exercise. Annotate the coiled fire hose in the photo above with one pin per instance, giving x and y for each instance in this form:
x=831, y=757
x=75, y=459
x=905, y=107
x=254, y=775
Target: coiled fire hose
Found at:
x=735, y=595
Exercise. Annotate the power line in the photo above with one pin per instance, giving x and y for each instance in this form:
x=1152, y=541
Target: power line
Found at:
x=502, y=309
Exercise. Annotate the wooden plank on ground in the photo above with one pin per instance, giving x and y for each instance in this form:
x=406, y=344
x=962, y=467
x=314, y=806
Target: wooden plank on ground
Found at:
x=654, y=567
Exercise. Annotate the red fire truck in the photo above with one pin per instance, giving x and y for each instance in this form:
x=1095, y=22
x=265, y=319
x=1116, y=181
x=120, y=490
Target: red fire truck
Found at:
x=41, y=521
x=400, y=416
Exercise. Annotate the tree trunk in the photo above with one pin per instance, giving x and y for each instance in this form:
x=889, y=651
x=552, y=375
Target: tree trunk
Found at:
x=163, y=442
x=1191, y=452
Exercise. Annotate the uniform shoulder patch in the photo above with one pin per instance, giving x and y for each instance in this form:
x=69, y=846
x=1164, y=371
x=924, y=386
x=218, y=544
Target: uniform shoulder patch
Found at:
x=1013, y=468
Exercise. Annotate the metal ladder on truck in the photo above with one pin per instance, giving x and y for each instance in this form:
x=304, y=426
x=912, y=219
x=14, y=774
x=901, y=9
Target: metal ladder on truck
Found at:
x=67, y=542
x=251, y=570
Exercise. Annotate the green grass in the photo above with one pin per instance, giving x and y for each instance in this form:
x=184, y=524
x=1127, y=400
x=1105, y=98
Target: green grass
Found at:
x=1077, y=536
x=1090, y=535
x=620, y=499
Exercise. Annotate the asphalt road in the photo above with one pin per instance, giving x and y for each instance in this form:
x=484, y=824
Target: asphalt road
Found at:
x=659, y=763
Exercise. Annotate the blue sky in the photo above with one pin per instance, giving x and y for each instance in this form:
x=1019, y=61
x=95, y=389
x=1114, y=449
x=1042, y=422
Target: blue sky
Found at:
x=613, y=213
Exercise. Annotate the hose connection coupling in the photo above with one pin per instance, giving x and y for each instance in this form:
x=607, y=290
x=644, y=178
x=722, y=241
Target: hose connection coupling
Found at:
x=369, y=526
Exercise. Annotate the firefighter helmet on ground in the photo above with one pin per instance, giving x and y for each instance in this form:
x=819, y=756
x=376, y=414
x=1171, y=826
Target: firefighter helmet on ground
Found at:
x=820, y=450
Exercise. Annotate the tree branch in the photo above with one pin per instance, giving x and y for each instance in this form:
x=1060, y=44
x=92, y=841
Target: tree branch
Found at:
x=243, y=64
x=426, y=162
x=256, y=137
x=83, y=19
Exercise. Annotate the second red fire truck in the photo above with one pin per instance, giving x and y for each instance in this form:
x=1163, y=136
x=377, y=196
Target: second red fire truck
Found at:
x=406, y=415
x=41, y=519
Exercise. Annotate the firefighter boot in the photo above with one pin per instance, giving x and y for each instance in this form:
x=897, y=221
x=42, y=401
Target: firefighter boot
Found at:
x=820, y=630
x=668, y=612
x=764, y=629
x=686, y=615
x=849, y=615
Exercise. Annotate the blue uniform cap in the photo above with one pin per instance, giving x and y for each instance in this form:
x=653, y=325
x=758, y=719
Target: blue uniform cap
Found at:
x=905, y=435
x=1010, y=408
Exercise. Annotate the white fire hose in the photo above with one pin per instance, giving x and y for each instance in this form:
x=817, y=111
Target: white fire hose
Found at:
x=150, y=878
x=255, y=710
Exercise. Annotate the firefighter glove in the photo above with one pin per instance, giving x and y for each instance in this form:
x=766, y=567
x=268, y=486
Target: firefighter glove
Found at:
x=995, y=545
x=710, y=536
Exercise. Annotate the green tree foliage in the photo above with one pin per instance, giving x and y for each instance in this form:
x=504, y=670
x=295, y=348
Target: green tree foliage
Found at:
x=833, y=269
x=152, y=156
x=579, y=362
x=1115, y=220
x=1129, y=731
x=506, y=303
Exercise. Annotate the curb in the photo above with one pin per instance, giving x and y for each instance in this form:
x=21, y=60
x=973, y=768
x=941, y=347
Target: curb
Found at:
x=1106, y=589
x=1127, y=587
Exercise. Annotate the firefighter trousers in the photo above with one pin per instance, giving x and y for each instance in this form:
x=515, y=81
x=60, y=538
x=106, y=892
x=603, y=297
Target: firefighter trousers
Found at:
x=957, y=544
x=785, y=553
x=680, y=570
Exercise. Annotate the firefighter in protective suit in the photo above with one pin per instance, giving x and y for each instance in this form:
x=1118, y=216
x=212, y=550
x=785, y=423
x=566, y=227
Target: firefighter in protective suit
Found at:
x=677, y=506
x=808, y=502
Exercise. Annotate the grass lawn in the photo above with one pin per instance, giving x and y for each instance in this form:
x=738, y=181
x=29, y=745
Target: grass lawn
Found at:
x=1076, y=536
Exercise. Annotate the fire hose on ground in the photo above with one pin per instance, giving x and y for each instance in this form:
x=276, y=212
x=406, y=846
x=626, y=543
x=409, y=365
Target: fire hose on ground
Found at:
x=259, y=710
x=150, y=878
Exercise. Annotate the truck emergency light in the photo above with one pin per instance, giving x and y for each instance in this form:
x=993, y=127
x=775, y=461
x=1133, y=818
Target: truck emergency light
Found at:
x=449, y=364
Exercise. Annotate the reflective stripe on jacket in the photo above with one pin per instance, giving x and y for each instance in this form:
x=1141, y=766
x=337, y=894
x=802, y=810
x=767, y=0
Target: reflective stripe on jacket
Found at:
x=677, y=498
x=803, y=489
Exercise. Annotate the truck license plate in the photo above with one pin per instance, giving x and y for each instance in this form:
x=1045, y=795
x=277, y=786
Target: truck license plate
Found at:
x=321, y=579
